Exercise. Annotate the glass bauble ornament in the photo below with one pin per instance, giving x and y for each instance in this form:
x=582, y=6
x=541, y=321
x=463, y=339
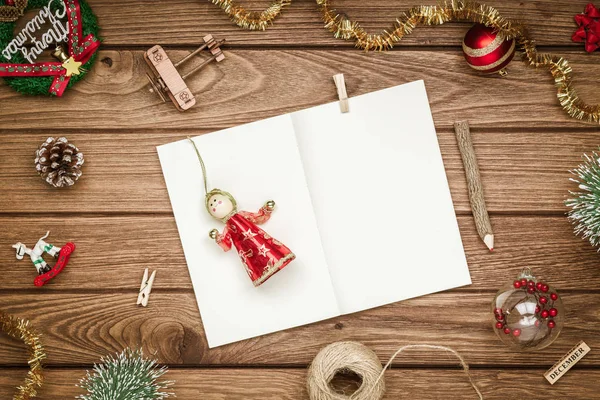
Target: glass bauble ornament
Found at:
x=528, y=313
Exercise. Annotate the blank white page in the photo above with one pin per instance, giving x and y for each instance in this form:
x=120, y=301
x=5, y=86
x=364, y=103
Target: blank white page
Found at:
x=381, y=198
x=255, y=163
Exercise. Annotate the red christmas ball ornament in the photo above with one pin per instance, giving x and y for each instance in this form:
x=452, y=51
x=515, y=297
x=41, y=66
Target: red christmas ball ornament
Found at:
x=486, y=51
x=525, y=317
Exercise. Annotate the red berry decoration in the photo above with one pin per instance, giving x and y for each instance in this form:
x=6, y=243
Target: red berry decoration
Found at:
x=517, y=284
x=523, y=282
x=525, y=318
x=486, y=51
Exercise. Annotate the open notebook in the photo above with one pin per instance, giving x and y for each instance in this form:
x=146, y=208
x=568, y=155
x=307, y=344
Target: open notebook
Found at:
x=362, y=200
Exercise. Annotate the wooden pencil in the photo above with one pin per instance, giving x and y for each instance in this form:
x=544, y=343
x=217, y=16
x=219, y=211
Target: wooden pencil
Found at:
x=480, y=214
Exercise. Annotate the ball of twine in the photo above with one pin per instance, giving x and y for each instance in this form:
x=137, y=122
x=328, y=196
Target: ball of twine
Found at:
x=343, y=357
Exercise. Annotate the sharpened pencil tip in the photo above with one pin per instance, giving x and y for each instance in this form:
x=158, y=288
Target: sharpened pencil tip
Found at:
x=489, y=241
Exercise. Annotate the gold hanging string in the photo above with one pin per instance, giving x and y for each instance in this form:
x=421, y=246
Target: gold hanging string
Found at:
x=20, y=329
x=12, y=13
x=201, y=164
x=253, y=20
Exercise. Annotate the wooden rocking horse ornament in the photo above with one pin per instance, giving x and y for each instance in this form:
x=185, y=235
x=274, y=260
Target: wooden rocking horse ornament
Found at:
x=45, y=272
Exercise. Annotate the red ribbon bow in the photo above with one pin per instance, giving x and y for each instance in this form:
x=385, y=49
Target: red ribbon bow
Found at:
x=80, y=49
x=589, y=28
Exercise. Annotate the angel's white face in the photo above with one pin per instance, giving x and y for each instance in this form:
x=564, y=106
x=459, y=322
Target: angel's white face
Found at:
x=219, y=205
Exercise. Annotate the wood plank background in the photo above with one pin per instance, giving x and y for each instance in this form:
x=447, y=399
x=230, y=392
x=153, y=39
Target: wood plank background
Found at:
x=525, y=144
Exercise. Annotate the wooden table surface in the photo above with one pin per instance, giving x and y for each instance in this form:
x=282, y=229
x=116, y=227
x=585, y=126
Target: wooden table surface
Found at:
x=119, y=214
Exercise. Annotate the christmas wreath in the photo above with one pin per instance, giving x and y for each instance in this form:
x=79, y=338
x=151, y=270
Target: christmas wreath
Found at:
x=37, y=78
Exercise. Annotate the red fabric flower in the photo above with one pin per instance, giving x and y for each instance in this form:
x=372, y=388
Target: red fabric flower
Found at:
x=589, y=28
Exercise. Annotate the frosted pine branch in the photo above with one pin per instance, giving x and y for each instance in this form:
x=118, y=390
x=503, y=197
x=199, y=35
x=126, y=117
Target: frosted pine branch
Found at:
x=126, y=376
x=585, y=206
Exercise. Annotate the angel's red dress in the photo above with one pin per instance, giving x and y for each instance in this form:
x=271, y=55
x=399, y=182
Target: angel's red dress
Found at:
x=261, y=255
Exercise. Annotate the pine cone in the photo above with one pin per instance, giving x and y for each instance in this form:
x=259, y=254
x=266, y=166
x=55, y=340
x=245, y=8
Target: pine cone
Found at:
x=58, y=162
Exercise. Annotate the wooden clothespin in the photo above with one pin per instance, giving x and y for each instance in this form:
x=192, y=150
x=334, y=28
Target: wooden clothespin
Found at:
x=146, y=288
x=165, y=78
x=340, y=84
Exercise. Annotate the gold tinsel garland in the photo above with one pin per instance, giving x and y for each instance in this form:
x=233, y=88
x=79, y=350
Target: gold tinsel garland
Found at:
x=250, y=19
x=20, y=329
x=455, y=10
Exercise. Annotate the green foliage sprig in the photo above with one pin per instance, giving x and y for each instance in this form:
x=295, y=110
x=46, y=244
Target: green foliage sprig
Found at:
x=585, y=206
x=126, y=376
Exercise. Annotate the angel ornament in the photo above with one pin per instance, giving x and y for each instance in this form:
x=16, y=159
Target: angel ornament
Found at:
x=261, y=255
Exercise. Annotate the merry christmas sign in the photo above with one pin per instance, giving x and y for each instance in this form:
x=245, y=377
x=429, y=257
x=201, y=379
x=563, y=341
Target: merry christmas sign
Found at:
x=32, y=40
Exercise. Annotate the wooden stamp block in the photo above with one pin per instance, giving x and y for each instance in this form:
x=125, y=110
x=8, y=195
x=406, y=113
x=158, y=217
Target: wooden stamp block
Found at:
x=567, y=362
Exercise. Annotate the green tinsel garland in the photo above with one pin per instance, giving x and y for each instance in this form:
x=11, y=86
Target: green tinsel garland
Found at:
x=40, y=85
x=126, y=376
x=585, y=207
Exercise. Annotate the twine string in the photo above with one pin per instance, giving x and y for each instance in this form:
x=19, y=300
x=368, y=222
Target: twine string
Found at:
x=357, y=358
x=463, y=363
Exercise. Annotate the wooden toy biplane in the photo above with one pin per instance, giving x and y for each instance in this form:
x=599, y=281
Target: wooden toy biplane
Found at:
x=166, y=79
